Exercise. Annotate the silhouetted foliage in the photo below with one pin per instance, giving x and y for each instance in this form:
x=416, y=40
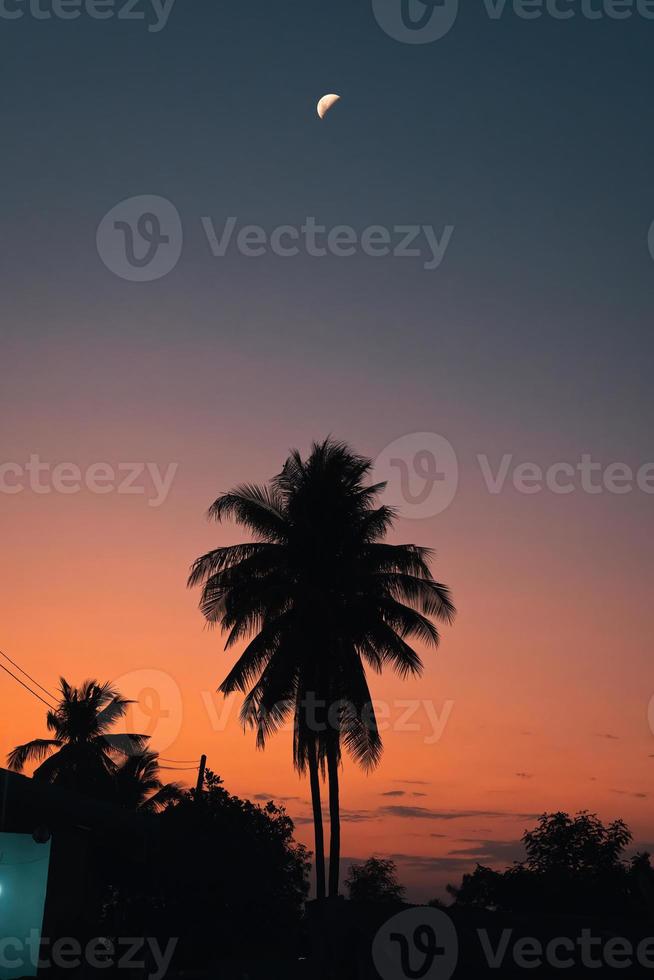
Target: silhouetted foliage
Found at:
x=321, y=595
x=575, y=845
x=137, y=786
x=223, y=874
x=85, y=755
x=574, y=864
x=374, y=881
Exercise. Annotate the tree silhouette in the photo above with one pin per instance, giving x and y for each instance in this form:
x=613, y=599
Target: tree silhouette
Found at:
x=374, y=881
x=319, y=595
x=83, y=754
x=138, y=786
x=577, y=844
x=574, y=864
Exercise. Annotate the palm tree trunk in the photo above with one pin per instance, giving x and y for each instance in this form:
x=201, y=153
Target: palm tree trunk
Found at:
x=319, y=836
x=334, y=815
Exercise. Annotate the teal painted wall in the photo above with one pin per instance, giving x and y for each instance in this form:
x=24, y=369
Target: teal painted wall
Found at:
x=23, y=880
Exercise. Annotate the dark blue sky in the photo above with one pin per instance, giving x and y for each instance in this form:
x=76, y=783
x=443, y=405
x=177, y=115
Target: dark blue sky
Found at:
x=531, y=137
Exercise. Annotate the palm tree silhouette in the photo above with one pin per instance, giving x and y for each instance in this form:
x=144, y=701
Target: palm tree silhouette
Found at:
x=138, y=785
x=83, y=753
x=320, y=595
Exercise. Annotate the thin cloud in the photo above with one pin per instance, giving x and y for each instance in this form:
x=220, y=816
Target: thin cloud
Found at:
x=347, y=816
x=423, y=813
x=394, y=792
x=418, y=862
x=490, y=850
x=356, y=816
x=429, y=864
x=625, y=792
x=267, y=797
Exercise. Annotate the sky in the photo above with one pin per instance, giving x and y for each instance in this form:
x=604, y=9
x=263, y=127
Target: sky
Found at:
x=523, y=147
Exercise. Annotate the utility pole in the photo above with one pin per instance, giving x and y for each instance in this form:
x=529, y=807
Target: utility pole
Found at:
x=200, y=782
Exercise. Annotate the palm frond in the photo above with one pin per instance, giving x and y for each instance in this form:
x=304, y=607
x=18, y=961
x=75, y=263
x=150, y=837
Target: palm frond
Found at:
x=431, y=598
x=125, y=744
x=258, y=653
x=382, y=646
x=169, y=793
x=259, y=509
x=272, y=698
x=112, y=712
x=34, y=751
x=358, y=722
x=408, y=622
x=407, y=559
x=228, y=558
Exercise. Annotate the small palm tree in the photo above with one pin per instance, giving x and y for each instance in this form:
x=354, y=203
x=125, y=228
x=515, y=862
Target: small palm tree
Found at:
x=83, y=752
x=138, y=785
x=320, y=595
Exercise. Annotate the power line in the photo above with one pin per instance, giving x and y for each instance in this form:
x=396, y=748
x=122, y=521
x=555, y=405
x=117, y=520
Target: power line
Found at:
x=179, y=768
x=181, y=762
x=7, y=671
x=18, y=667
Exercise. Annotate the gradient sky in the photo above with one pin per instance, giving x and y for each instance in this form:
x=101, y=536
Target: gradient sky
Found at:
x=533, y=339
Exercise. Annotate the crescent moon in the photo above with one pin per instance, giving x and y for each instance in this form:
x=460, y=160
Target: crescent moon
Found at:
x=326, y=103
